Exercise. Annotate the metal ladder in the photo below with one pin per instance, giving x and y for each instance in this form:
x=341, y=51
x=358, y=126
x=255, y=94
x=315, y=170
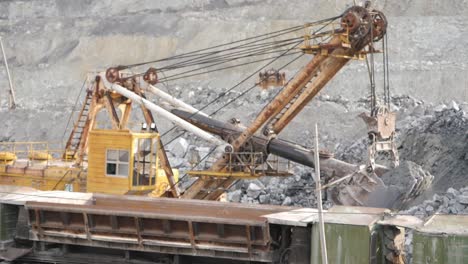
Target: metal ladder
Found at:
x=76, y=136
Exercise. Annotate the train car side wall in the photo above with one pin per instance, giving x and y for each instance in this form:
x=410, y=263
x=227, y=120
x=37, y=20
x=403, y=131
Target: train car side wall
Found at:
x=439, y=249
x=347, y=244
x=8, y=220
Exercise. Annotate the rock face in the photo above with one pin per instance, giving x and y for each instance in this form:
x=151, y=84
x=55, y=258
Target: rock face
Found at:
x=52, y=44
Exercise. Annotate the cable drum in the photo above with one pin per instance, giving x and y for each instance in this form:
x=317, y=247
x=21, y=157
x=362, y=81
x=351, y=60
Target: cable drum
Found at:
x=357, y=20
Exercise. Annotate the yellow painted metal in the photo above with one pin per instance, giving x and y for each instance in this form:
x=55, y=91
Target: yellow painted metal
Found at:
x=31, y=150
x=7, y=156
x=314, y=48
x=99, y=142
x=32, y=167
x=162, y=184
x=37, y=155
x=102, y=140
x=69, y=155
x=239, y=175
x=236, y=168
x=42, y=177
x=30, y=164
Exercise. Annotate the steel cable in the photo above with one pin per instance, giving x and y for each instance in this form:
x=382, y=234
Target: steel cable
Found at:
x=254, y=38
x=74, y=108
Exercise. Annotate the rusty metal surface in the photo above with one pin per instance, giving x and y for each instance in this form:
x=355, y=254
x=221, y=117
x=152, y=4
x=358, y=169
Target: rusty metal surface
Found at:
x=271, y=78
x=169, y=208
x=328, y=70
x=278, y=103
x=273, y=108
x=165, y=164
x=356, y=34
x=162, y=225
x=151, y=76
x=381, y=126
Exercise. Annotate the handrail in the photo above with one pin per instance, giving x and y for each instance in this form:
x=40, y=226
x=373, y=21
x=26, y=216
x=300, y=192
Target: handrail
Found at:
x=27, y=150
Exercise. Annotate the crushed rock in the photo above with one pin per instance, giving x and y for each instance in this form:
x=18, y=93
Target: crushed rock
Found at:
x=453, y=201
x=436, y=141
x=430, y=143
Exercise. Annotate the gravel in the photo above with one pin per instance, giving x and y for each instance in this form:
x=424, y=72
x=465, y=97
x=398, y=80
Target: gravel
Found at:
x=434, y=140
x=453, y=201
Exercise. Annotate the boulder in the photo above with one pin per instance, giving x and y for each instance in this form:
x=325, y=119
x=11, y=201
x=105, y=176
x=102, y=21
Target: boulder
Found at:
x=235, y=196
x=253, y=190
x=429, y=209
x=287, y=201
x=463, y=199
x=418, y=111
x=176, y=162
x=452, y=193
x=264, y=198
x=440, y=108
x=178, y=147
x=454, y=106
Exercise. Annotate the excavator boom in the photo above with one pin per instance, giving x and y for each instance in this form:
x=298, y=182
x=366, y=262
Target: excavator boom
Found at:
x=359, y=27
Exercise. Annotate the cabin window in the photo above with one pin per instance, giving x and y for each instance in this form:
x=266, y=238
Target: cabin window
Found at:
x=144, y=163
x=117, y=162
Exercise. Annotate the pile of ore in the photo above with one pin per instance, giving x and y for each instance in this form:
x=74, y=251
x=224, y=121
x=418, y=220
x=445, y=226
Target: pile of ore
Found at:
x=430, y=138
x=298, y=190
x=451, y=202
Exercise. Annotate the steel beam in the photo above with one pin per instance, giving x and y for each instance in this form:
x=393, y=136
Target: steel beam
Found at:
x=172, y=100
x=165, y=114
x=328, y=70
x=275, y=146
x=272, y=109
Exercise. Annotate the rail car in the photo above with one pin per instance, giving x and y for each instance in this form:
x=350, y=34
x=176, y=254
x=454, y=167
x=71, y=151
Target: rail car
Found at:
x=57, y=226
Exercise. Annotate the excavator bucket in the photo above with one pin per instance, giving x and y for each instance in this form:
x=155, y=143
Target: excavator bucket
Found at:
x=381, y=131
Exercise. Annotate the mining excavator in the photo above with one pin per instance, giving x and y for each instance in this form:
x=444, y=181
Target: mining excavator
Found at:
x=121, y=161
x=331, y=43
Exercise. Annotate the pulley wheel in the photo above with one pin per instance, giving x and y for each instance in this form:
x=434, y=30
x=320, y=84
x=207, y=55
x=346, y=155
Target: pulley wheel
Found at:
x=113, y=75
x=151, y=76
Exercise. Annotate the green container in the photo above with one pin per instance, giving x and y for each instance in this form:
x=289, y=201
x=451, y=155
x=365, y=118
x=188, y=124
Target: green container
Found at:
x=8, y=220
x=443, y=240
x=352, y=235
